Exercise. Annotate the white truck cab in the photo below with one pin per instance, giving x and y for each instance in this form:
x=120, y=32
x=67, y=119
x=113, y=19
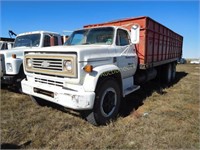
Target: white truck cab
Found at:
x=92, y=71
x=11, y=60
x=6, y=43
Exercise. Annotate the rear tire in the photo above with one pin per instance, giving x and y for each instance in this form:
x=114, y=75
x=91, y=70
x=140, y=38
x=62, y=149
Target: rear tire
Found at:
x=173, y=71
x=167, y=73
x=107, y=103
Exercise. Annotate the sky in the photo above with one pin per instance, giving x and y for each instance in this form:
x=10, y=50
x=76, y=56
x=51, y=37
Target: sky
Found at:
x=58, y=16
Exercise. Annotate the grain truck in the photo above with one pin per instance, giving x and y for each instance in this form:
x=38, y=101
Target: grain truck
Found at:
x=100, y=64
x=11, y=60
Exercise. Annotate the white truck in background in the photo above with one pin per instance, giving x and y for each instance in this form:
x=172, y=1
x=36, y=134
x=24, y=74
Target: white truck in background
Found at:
x=100, y=64
x=11, y=60
x=6, y=43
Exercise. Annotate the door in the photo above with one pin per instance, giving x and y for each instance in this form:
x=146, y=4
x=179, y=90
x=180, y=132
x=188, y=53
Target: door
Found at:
x=126, y=55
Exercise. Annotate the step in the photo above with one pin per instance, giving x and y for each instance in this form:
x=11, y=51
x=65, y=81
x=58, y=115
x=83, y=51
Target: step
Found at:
x=131, y=89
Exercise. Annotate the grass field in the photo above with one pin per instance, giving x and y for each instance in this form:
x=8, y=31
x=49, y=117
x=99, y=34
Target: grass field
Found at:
x=153, y=118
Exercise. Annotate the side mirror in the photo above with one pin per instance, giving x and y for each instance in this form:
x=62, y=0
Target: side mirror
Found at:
x=135, y=34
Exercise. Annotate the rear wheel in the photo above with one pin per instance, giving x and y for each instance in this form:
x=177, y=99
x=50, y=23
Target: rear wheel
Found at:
x=107, y=102
x=173, y=71
x=167, y=73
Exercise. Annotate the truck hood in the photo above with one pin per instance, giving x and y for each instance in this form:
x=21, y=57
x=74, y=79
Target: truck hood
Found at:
x=18, y=51
x=84, y=52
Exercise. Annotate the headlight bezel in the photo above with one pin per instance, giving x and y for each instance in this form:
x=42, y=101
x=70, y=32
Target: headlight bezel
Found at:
x=68, y=65
x=9, y=67
x=29, y=62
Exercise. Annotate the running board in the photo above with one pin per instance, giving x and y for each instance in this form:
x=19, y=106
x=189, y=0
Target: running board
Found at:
x=131, y=89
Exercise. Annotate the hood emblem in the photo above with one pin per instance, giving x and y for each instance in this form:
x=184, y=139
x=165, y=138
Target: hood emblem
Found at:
x=45, y=64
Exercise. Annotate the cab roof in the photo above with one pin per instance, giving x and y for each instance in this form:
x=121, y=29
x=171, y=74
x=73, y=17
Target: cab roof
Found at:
x=35, y=32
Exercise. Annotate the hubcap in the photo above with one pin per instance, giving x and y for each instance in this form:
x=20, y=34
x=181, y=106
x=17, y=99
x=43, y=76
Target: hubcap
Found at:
x=108, y=102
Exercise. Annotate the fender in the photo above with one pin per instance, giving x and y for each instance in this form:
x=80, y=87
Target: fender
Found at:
x=16, y=63
x=91, y=79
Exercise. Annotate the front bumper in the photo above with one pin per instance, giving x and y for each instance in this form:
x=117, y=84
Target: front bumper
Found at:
x=8, y=79
x=77, y=100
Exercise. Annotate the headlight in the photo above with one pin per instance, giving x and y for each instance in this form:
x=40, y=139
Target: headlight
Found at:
x=68, y=65
x=9, y=67
x=29, y=62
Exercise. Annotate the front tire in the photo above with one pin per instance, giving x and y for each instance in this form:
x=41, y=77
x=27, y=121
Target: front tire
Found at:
x=38, y=101
x=107, y=102
x=19, y=78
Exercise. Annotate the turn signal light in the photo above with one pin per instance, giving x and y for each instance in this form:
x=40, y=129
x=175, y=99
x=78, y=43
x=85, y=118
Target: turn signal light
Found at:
x=14, y=56
x=88, y=68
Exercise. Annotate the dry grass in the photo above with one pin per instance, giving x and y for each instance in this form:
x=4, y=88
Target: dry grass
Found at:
x=149, y=120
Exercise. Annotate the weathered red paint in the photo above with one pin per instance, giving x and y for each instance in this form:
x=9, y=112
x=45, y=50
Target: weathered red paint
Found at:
x=157, y=42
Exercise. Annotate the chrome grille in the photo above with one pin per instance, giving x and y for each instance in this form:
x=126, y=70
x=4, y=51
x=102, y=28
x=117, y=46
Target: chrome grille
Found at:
x=49, y=82
x=50, y=64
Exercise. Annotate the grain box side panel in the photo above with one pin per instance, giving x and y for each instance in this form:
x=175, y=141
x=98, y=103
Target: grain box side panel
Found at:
x=140, y=48
x=162, y=45
x=158, y=44
x=149, y=47
x=161, y=42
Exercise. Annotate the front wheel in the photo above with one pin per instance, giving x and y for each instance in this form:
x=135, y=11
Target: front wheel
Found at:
x=38, y=101
x=107, y=102
x=19, y=78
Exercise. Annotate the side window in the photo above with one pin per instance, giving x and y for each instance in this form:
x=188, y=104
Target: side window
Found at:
x=46, y=41
x=55, y=40
x=122, y=38
x=5, y=46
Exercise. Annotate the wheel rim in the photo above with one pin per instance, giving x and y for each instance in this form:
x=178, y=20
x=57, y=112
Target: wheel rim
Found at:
x=108, y=102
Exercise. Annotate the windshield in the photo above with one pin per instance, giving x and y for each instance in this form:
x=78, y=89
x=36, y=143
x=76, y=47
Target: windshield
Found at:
x=92, y=36
x=31, y=40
